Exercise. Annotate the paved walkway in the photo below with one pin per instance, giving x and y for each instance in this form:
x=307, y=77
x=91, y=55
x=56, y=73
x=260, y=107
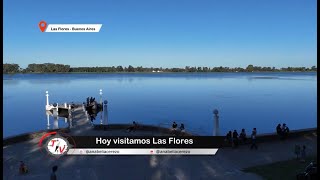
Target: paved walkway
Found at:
x=226, y=164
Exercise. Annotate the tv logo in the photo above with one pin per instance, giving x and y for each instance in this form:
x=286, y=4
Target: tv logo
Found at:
x=57, y=145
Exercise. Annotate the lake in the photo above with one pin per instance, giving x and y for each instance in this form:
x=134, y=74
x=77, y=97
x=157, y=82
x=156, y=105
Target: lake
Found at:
x=244, y=100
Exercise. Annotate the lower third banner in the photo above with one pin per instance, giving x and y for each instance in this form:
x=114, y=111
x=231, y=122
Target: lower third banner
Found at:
x=158, y=151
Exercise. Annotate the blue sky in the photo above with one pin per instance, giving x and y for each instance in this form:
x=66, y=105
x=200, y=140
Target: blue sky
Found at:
x=164, y=33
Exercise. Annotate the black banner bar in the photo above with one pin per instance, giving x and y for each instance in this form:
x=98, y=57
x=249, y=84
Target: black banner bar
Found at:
x=147, y=141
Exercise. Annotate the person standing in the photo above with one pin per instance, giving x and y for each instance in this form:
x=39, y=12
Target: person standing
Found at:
x=297, y=150
x=254, y=139
x=235, y=138
x=243, y=136
x=303, y=154
x=229, y=137
x=53, y=174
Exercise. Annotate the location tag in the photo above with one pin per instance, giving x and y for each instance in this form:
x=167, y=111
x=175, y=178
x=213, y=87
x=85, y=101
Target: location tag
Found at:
x=42, y=25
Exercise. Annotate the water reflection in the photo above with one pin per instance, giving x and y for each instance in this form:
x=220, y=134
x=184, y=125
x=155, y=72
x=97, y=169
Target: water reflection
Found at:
x=10, y=82
x=55, y=122
x=55, y=117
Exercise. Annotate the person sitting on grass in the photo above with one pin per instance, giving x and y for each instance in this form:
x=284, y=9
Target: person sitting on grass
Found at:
x=243, y=136
x=182, y=128
x=174, y=126
x=23, y=168
x=284, y=130
x=133, y=127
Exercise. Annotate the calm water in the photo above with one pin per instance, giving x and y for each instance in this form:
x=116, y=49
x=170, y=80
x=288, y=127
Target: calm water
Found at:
x=244, y=100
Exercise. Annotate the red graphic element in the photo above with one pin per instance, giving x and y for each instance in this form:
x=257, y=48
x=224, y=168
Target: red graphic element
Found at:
x=53, y=141
x=61, y=150
x=42, y=25
x=44, y=136
x=151, y=151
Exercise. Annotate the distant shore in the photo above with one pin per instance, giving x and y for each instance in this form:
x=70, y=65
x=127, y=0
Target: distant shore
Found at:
x=158, y=72
x=64, y=68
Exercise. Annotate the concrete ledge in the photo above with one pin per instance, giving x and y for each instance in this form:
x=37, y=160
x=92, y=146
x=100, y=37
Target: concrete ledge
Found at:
x=292, y=134
x=29, y=136
x=268, y=137
x=140, y=128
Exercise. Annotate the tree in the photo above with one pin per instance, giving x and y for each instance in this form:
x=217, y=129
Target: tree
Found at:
x=139, y=69
x=250, y=68
x=119, y=68
x=187, y=68
x=130, y=68
x=10, y=68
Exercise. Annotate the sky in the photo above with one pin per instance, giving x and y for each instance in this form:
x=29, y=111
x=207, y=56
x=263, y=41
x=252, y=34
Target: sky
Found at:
x=163, y=33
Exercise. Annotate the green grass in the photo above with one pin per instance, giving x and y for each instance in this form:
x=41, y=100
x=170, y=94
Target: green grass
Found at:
x=282, y=170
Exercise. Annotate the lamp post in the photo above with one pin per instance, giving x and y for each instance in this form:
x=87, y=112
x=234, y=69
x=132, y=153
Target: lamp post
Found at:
x=47, y=103
x=69, y=113
x=70, y=121
x=105, y=112
x=101, y=96
x=101, y=118
x=216, y=122
x=48, y=120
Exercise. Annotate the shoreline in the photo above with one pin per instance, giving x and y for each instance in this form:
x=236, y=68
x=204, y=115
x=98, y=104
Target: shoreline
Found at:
x=159, y=72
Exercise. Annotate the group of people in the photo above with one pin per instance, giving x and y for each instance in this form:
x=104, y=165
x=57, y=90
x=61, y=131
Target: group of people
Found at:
x=175, y=127
x=23, y=170
x=283, y=130
x=135, y=126
x=234, y=138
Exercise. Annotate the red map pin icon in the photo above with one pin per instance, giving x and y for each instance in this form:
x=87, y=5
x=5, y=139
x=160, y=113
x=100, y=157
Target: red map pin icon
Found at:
x=42, y=25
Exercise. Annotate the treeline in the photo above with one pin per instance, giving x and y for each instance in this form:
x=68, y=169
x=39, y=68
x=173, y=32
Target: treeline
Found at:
x=46, y=68
x=61, y=68
x=10, y=68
